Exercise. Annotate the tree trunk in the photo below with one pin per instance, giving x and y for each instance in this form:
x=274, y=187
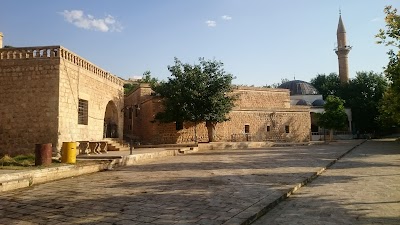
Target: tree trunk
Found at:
x=195, y=132
x=331, y=135
x=211, y=130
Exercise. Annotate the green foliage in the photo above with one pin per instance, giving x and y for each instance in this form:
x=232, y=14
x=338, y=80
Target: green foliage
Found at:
x=19, y=160
x=128, y=87
x=197, y=93
x=334, y=116
x=147, y=78
x=390, y=36
x=327, y=84
x=363, y=95
x=389, y=109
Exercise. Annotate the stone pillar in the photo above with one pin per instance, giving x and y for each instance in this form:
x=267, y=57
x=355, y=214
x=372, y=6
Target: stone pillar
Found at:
x=1, y=40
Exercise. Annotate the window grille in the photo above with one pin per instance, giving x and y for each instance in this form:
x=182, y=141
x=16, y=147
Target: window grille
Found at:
x=83, y=112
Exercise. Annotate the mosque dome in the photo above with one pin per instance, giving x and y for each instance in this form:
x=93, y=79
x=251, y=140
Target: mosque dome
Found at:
x=299, y=87
x=303, y=102
x=318, y=102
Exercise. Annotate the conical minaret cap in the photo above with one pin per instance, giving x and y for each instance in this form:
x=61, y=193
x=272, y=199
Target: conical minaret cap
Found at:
x=340, y=28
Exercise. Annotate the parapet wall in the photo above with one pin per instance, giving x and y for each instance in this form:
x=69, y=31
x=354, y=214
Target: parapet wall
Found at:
x=41, y=52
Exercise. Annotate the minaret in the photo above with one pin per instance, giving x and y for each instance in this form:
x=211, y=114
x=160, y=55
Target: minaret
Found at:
x=342, y=50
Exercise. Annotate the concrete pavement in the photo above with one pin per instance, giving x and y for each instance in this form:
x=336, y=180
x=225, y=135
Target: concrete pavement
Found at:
x=208, y=187
x=362, y=188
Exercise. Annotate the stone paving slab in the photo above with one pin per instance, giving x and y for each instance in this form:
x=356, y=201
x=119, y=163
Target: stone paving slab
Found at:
x=208, y=187
x=362, y=188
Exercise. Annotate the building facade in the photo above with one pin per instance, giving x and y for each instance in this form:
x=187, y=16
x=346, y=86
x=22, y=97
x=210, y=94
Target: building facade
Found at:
x=49, y=94
x=260, y=114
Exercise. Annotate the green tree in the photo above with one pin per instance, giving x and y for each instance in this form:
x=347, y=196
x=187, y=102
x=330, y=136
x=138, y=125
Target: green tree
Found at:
x=327, y=84
x=196, y=93
x=391, y=37
x=363, y=95
x=128, y=87
x=147, y=78
x=389, y=109
x=334, y=117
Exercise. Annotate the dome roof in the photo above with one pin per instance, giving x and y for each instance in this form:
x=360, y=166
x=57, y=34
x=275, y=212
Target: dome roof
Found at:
x=299, y=87
x=303, y=102
x=318, y=102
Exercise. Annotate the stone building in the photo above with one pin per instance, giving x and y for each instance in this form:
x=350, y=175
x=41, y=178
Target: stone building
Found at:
x=260, y=114
x=304, y=93
x=49, y=94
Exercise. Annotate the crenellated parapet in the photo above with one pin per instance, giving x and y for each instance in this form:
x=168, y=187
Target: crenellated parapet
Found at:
x=41, y=52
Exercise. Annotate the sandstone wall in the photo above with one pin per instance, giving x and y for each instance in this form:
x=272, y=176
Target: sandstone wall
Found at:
x=262, y=98
x=80, y=79
x=258, y=108
x=28, y=99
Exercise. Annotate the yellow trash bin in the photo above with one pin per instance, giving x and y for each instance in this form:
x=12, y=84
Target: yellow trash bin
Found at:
x=68, y=152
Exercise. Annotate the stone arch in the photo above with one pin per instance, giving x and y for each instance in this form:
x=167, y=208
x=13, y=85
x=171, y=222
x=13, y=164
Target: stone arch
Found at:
x=111, y=121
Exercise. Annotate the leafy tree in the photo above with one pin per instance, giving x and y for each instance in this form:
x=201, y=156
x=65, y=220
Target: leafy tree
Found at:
x=147, y=78
x=334, y=117
x=327, y=84
x=389, y=109
x=391, y=37
x=196, y=93
x=363, y=95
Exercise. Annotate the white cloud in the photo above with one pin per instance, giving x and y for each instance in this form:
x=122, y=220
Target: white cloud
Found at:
x=377, y=19
x=79, y=19
x=226, y=17
x=211, y=23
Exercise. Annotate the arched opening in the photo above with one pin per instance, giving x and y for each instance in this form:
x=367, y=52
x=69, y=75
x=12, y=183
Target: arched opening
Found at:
x=111, y=121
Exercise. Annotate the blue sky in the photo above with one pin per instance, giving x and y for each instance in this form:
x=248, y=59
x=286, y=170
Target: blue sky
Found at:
x=260, y=42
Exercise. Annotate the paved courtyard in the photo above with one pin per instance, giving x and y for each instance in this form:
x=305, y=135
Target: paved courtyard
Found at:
x=209, y=187
x=362, y=188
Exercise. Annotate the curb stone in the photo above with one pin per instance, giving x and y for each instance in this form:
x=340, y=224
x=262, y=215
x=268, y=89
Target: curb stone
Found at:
x=23, y=179
x=250, y=217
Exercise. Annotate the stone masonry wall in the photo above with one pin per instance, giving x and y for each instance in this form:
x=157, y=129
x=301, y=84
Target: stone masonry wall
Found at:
x=256, y=107
x=80, y=79
x=28, y=99
x=265, y=98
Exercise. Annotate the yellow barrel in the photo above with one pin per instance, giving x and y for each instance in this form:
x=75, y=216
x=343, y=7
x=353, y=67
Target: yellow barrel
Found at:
x=68, y=152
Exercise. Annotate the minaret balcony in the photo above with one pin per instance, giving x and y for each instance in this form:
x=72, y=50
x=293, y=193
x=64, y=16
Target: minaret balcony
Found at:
x=343, y=48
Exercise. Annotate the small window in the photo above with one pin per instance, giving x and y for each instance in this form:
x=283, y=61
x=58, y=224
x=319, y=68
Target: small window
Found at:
x=83, y=112
x=287, y=129
x=179, y=125
x=268, y=128
x=246, y=129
